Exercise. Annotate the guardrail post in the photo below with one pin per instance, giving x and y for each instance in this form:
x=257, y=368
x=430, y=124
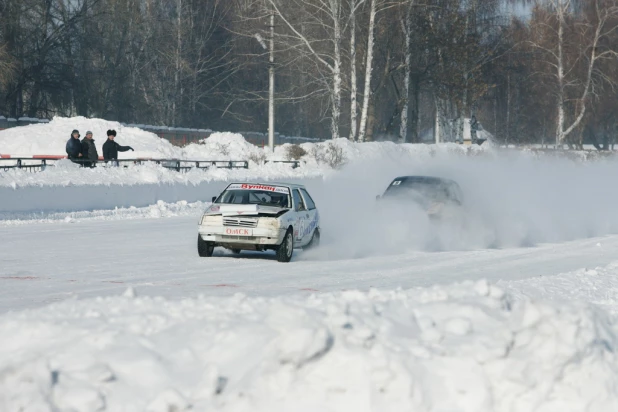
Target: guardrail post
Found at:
x=43, y=165
x=19, y=163
x=246, y=164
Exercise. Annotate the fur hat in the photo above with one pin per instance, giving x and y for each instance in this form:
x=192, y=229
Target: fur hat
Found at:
x=88, y=132
x=74, y=131
x=111, y=132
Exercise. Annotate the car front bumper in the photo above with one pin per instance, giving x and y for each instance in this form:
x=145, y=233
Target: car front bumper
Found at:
x=224, y=235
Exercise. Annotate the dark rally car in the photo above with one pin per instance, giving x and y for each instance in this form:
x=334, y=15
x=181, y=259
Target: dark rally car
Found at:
x=433, y=194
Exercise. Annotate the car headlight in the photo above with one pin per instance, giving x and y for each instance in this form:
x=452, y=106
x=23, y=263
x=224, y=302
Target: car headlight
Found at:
x=268, y=223
x=211, y=220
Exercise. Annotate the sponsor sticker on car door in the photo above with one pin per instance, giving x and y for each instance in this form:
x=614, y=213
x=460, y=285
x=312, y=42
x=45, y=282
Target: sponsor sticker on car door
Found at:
x=311, y=217
x=299, y=208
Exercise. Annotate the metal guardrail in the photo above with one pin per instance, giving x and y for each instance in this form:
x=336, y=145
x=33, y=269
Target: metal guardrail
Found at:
x=185, y=165
x=19, y=164
x=40, y=163
x=294, y=163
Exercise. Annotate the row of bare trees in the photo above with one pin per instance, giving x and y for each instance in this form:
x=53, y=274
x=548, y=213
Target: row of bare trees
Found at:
x=362, y=69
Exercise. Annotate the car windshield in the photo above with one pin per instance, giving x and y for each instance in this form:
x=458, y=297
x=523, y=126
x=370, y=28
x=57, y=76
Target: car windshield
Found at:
x=418, y=190
x=254, y=197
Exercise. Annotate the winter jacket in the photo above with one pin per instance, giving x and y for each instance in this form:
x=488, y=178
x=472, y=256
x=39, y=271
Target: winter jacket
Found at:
x=89, y=150
x=111, y=149
x=73, y=148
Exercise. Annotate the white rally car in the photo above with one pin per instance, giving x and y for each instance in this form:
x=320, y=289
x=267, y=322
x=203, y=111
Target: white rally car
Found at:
x=256, y=216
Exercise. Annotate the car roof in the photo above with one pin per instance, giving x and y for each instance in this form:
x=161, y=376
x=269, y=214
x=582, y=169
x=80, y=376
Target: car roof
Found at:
x=424, y=179
x=288, y=185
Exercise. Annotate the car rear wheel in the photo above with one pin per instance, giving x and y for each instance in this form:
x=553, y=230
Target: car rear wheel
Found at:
x=315, y=240
x=236, y=251
x=285, y=249
x=204, y=249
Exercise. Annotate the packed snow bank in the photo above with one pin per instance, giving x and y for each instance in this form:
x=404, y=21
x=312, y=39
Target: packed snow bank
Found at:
x=40, y=202
x=50, y=138
x=67, y=175
x=319, y=159
x=466, y=347
x=160, y=209
x=224, y=146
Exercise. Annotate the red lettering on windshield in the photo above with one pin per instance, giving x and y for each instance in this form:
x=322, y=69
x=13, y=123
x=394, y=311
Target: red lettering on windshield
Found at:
x=258, y=187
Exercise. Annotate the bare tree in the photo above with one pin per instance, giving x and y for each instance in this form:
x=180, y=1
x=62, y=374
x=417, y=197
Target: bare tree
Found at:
x=465, y=41
x=406, y=29
x=353, y=8
x=368, y=69
x=572, y=48
x=324, y=48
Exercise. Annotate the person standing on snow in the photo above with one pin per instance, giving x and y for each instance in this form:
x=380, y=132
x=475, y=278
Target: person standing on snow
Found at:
x=89, y=150
x=111, y=148
x=74, y=147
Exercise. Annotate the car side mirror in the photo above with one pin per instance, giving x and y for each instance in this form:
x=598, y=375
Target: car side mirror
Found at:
x=214, y=198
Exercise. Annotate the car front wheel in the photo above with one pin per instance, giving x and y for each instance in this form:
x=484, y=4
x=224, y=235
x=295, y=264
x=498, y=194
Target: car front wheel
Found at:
x=204, y=249
x=285, y=249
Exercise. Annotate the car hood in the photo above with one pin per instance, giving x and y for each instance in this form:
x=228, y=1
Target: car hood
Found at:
x=244, y=210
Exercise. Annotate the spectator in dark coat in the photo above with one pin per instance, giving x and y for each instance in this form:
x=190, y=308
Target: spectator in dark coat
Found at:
x=74, y=147
x=111, y=148
x=89, y=150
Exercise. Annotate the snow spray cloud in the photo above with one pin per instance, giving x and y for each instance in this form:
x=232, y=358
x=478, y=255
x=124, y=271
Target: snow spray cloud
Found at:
x=510, y=200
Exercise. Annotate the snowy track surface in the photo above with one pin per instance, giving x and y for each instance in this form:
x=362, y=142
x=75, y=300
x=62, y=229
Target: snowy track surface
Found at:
x=45, y=263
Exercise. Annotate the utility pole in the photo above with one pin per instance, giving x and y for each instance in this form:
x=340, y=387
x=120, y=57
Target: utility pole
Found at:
x=271, y=85
x=436, y=127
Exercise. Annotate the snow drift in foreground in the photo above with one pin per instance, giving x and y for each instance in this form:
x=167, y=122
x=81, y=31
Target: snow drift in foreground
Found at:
x=468, y=348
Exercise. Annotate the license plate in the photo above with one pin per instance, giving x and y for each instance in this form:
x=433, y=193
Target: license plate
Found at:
x=238, y=232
